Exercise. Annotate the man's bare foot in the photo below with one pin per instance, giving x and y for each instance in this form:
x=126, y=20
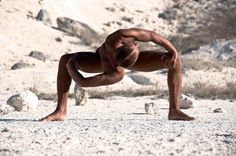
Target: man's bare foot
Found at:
x=55, y=116
x=178, y=115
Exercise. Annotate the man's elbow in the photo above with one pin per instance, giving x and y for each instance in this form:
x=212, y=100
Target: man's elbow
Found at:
x=115, y=79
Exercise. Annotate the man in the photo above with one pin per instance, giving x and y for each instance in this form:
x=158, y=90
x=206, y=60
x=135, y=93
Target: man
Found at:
x=119, y=51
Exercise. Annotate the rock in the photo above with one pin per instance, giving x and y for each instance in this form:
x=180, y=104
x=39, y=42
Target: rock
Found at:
x=218, y=110
x=23, y=101
x=43, y=16
x=20, y=65
x=79, y=29
x=58, y=39
x=5, y=109
x=140, y=79
x=128, y=19
x=151, y=108
x=111, y=9
x=38, y=55
x=186, y=102
x=81, y=96
x=222, y=50
x=169, y=14
x=5, y=130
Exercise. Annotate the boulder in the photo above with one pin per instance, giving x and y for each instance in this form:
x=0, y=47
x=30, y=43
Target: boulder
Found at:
x=81, y=96
x=140, y=79
x=23, y=101
x=43, y=16
x=169, y=14
x=222, y=50
x=79, y=29
x=186, y=102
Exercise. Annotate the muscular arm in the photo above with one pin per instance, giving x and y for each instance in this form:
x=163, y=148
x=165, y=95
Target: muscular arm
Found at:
x=142, y=35
x=94, y=81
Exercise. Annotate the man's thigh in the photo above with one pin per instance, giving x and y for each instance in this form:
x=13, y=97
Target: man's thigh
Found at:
x=88, y=62
x=149, y=61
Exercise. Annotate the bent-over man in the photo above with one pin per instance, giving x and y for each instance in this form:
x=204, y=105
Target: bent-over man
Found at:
x=120, y=51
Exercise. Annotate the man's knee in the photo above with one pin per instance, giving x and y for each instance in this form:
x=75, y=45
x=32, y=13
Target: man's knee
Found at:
x=64, y=58
x=178, y=63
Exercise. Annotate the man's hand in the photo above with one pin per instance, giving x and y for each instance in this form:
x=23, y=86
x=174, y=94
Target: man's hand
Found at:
x=170, y=60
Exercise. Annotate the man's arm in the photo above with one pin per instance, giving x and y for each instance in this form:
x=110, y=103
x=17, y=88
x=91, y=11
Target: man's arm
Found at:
x=142, y=35
x=94, y=81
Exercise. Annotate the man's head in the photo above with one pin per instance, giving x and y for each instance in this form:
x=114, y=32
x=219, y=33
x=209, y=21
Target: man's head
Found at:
x=127, y=54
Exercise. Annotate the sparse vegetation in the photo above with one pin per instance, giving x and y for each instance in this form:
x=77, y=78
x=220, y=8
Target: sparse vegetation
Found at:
x=199, y=64
x=205, y=91
x=127, y=93
x=220, y=24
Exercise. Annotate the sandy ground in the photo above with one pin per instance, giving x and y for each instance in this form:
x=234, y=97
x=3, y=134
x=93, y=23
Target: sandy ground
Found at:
x=119, y=126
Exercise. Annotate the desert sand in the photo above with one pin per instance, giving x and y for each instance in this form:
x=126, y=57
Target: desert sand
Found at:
x=113, y=125
x=119, y=126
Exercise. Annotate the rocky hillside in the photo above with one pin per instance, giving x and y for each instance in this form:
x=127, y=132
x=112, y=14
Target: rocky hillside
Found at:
x=35, y=33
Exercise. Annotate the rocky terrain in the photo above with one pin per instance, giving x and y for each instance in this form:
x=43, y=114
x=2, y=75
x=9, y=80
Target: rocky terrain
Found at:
x=35, y=33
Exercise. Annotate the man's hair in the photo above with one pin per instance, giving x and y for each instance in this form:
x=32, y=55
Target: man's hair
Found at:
x=126, y=56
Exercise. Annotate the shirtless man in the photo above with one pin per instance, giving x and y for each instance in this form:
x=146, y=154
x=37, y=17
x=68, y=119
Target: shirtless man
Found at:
x=120, y=51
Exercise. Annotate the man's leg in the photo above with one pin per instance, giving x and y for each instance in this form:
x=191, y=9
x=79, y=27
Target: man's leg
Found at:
x=175, y=84
x=151, y=61
x=64, y=80
x=63, y=86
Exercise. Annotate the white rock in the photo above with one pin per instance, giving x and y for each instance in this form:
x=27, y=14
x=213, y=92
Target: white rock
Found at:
x=151, y=108
x=23, y=101
x=81, y=96
x=5, y=109
x=186, y=102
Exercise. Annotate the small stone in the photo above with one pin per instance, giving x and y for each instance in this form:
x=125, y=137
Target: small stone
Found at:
x=151, y=108
x=5, y=130
x=38, y=55
x=20, y=65
x=218, y=110
x=43, y=16
x=186, y=102
x=171, y=140
x=128, y=19
x=58, y=39
x=5, y=109
x=23, y=101
x=81, y=96
x=140, y=79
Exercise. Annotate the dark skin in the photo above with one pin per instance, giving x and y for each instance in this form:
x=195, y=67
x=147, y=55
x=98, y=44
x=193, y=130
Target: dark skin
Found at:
x=104, y=62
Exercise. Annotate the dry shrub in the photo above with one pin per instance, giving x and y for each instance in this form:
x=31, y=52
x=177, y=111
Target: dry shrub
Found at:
x=127, y=93
x=221, y=24
x=202, y=90
x=200, y=64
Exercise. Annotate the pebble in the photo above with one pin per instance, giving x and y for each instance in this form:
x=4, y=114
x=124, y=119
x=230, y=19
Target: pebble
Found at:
x=44, y=16
x=5, y=109
x=20, y=65
x=81, y=96
x=186, y=102
x=38, y=55
x=218, y=110
x=151, y=108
